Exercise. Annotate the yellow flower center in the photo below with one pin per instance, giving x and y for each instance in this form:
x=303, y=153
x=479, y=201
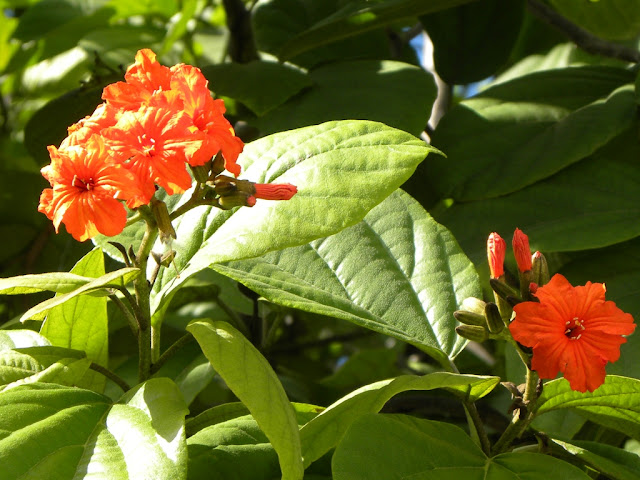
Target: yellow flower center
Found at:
x=574, y=328
x=148, y=144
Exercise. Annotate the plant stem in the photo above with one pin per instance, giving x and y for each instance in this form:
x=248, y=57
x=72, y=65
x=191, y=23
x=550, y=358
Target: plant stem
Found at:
x=585, y=40
x=236, y=321
x=128, y=315
x=111, y=376
x=143, y=292
x=171, y=351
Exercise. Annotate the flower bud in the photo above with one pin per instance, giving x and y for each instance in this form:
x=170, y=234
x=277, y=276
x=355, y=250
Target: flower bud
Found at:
x=496, y=249
x=505, y=291
x=201, y=172
x=540, y=269
x=237, y=199
x=470, y=332
x=494, y=320
x=469, y=318
x=474, y=305
x=275, y=191
x=521, y=250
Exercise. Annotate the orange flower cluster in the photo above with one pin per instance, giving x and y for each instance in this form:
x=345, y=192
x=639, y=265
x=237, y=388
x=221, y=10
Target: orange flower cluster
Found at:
x=147, y=131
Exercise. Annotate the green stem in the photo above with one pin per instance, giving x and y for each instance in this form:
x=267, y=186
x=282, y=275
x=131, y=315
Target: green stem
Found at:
x=128, y=315
x=143, y=293
x=171, y=351
x=111, y=376
x=236, y=321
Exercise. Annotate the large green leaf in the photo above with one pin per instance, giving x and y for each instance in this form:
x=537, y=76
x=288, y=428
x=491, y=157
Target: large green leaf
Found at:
x=59, y=282
x=101, y=284
x=592, y=204
x=611, y=19
x=399, y=447
x=403, y=96
x=472, y=41
x=10, y=339
x=42, y=364
x=521, y=131
x=615, y=404
x=251, y=378
x=277, y=22
x=341, y=169
x=71, y=433
x=614, y=462
x=397, y=272
x=260, y=85
x=358, y=17
x=325, y=431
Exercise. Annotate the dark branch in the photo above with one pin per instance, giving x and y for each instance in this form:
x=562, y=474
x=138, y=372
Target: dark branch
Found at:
x=585, y=40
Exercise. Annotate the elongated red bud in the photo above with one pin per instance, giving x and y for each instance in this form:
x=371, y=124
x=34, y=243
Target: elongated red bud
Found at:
x=521, y=250
x=496, y=249
x=275, y=191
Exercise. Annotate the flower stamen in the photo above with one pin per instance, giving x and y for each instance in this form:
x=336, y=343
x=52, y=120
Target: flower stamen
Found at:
x=572, y=326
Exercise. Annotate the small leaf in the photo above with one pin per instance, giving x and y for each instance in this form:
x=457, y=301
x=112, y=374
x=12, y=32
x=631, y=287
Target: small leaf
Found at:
x=429, y=449
x=397, y=272
x=72, y=432
x=251, y=378
x=59, y=282
x=615, y=404
x=10, y=339
x=325, y=431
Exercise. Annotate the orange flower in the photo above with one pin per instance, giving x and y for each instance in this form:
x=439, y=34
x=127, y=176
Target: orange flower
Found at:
x=104, y=116
x=214, y=129
x=87, y=186
x=496, y=250
x=145, y=79
x=572, y=330
x=156, y=143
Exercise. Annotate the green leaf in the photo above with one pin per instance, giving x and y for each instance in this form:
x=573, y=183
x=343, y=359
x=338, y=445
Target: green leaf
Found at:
x=325, y=431
x=614, y=462
x=610, y=19
x=343, y=90
x=522, y=131
x=251, y=378
x=277, y=22
x=71, y=432
x=111, y=280
x=59, y=282
x=582, y=207
x=615, y=404
x=359, y=17
x=472, y=41
x=81, y=323
x=42, y=364
x=341, y=169
x=238, y=449
x=10, y=339
x=260, y=85
x=435, y=450
x=397, y=272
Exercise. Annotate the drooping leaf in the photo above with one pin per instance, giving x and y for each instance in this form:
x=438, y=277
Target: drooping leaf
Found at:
x=397, y=272
x=72, y=432
x=42, y=364
x=59, y=282
x=522, y=131
x=342, y=170
x=344, y=90
x=615, y=404
x=251, y=378
x=326, y=430
x=260, y=85
x=110, y=280
x=472, y=41
x=431, y=449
